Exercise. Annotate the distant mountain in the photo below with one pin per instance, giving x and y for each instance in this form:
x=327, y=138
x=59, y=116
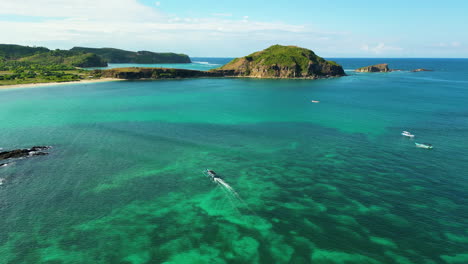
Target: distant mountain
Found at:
x=282, y=62
x=123, y=56
x=13, y=52
x=85, y=57
x=44, y=56
x=70, y=58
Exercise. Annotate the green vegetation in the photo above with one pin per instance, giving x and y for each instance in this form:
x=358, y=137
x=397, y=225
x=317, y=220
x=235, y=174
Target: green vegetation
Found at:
x=22, y=72
x=122, y=56
x=286, y=56
x=13, y=52
x=21, y=64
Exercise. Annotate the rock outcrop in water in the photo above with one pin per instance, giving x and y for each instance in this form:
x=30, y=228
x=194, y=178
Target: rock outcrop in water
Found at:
x=21, y=153
x=375, y=68
x=282, y=62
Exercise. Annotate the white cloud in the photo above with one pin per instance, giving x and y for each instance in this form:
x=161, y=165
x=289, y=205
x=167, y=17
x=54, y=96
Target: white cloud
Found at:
x=380, y=48
x=122, y=22
x=130, y=25
x=157, y=3
x=96, y=10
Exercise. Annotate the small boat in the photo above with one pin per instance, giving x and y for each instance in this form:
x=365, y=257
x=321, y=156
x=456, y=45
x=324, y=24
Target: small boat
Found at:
x=424, y=145
x=314, y=101
x=407, y=134
x=210, y=173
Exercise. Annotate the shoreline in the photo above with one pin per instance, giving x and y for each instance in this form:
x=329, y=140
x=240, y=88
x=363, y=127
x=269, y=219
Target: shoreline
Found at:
x=33, y=85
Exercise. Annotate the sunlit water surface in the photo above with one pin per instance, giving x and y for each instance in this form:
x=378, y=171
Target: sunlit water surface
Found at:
x=332, y=182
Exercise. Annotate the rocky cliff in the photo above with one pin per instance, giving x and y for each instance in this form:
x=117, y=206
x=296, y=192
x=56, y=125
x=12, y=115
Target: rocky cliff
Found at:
x=375, y=68
x=281, y=62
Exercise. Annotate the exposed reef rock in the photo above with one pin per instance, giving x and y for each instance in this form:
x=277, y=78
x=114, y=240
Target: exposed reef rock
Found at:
x=21, y=153
x=375, y=68
x=281, y=62
x=420, y=70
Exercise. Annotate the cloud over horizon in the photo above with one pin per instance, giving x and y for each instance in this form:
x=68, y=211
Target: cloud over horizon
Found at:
x=129, y=24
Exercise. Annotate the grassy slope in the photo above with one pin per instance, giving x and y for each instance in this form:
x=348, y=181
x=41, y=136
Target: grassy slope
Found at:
x=281, y=55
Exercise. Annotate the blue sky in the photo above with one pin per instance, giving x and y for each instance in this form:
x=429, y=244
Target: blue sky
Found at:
x=339, y=28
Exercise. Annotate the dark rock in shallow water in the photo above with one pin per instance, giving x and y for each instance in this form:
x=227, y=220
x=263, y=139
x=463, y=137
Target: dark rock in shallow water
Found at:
x=21, y=153
x=374, y=68
x=420, y=70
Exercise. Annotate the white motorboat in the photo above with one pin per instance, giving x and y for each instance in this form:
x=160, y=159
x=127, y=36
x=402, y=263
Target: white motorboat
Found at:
x=407, y=134
x=424, y=145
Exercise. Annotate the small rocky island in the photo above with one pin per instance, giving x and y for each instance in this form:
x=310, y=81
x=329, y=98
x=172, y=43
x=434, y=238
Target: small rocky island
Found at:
x=375, y=68
x=383, y=67
x=282, y=62
x=286, y=62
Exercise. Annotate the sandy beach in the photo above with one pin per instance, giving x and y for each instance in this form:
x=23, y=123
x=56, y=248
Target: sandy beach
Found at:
x=32, y=85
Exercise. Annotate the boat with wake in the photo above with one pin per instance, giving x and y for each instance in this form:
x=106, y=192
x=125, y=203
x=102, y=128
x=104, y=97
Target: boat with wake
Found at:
x=407, y=134
x=210, y=173
x=424, y=145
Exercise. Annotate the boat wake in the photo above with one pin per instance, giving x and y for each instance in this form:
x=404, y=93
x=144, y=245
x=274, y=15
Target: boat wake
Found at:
x=204, y=63
x=232, y=195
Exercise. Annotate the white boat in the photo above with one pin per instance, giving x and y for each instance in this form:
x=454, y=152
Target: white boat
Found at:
x=424, y=145
x=407, y=134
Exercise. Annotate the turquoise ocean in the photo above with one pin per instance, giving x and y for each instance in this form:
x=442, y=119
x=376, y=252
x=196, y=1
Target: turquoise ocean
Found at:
x=328, y=182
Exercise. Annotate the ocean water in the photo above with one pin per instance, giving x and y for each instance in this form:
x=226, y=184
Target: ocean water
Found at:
x=332, y=182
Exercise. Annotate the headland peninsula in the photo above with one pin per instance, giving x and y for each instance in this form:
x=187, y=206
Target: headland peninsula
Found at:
x=21, y=65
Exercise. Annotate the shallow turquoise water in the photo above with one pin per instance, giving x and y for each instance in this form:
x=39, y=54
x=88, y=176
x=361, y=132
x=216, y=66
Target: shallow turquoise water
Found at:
x=332, y=182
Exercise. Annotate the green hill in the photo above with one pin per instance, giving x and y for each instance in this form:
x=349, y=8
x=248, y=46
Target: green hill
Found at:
x=13, y=52
x=122, y=56
x=70, y=58
x=282, y=62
